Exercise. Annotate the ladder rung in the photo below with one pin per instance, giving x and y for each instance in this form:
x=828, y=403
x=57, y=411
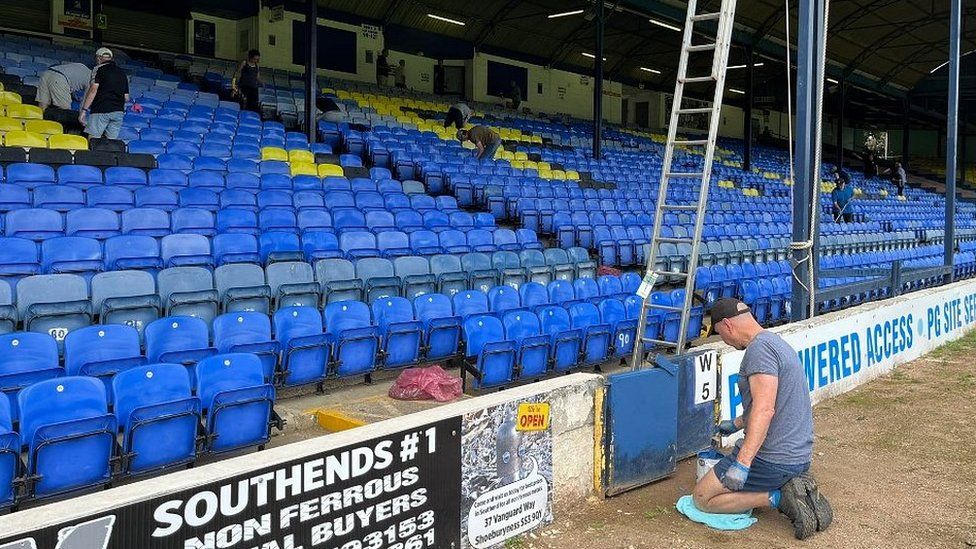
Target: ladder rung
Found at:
x=669, y=308
x=702, y=47
x=680, y=207
x=696, y=110
x=698, y=142
x=671, y=273
x=694, y=79
x=706, y=16
x=660, y=342
x=685, y=175
x=673, y=240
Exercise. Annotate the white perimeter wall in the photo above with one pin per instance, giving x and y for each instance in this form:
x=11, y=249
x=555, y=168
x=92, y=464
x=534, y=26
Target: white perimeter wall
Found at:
x=843, y=350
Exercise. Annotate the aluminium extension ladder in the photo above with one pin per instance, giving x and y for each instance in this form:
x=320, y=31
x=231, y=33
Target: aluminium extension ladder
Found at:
x=720, y=52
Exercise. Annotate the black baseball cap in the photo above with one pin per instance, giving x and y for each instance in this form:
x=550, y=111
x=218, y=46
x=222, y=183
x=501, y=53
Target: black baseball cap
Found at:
x=727, y=307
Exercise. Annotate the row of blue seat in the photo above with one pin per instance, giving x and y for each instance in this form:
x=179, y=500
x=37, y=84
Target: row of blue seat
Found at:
x=69, y=427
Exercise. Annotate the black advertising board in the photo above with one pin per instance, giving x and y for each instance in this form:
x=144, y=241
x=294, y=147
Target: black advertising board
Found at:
x=394, y=492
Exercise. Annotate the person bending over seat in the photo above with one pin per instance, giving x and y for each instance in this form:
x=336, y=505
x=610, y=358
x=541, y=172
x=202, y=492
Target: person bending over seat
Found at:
x=458, y=114
x=484, y=138
x=770, y=466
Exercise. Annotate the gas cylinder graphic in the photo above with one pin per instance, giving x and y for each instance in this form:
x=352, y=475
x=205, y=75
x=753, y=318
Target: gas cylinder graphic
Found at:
x=508, y=463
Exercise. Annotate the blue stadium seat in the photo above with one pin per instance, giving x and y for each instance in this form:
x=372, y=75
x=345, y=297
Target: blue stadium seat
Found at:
x=305, y=348
x=442, y=329
x=183, y=250
x=160, y=198
x=491, y=357
x=116, y=199
x=102, y=352
x=566, y=342
x=596, y=334
x=481, y=275
x=66, y=420
x=53, y=304
x=451, y=279
x=26, y=358
x=158, y=416
x=126, y=177
x=280, y=246
x=624, y=329
x=401, y=336
x=523, y=328
x=469, y=303
x=9, y=454
x=356, y=339
x=193, y=221
x=247, y=332
x=145, y=222
x=82, y=177
x=60, y=198
x=18, y=257
x=179, y=340
x=586, y=289
x=237, y=403
x=31, y=175
x=14, y=197
x=379, y=278
x=503, y=298
x=235, y=248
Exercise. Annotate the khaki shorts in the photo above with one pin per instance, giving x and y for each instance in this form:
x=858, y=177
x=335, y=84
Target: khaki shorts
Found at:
x=52, y=89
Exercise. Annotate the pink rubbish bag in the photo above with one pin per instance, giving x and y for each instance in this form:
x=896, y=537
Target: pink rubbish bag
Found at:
x=431, y=383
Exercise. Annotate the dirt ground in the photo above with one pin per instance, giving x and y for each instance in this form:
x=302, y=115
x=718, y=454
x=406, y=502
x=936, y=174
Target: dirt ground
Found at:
x=896, y=458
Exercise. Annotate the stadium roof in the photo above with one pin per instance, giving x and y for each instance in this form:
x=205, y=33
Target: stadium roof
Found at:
x=881, y=45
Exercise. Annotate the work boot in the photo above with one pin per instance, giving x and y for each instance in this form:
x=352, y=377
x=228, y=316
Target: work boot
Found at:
x=821, y=507
x=794, y=504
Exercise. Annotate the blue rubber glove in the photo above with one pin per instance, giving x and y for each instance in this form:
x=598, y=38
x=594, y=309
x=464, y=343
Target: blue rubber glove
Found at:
x=727, y=427
x=735, y=477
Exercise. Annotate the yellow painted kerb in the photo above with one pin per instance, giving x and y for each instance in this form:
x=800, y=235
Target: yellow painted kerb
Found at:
x=334, y=421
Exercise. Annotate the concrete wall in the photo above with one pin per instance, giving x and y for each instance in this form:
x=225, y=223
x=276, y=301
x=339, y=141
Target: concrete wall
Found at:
x=225, y=38
x=562, y=92
x=279, y=55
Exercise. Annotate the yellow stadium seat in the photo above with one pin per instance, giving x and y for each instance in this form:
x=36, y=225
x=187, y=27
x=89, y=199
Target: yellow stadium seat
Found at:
x=303, y=168
x=505, y=155
x=46, y=127
x=545, y=174
x=24, y=111
x=274, y=153
x=558, y=174
x=67, y=141
x=544, y=166
x=572, y=174
x=325, y=170
x=10, y=124
x=301, y=156
x=521, y=155
x=10, y=98
x=25, y=139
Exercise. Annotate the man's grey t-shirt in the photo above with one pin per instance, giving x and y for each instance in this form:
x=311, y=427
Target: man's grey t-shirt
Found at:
x=789, y=440
x=77, y=74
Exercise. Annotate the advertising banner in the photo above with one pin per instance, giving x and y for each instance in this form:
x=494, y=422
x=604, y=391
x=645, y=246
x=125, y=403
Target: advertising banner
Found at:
x=394, y=492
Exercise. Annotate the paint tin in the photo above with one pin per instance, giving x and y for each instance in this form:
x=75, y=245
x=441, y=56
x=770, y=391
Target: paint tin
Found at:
x=706, y=460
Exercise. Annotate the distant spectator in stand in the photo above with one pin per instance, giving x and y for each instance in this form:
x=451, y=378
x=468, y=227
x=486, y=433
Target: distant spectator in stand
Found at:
x=514, y=95
x=331, y=110
x=870, y=163
x=842, y=196
x=400, y=74
x=439, y=77
x=383, y=69
x=898, y=177
x=57, y=85
x=104, y=104
x=247, y=81
x=458, y=114
x=840, y=174
x=484, y=139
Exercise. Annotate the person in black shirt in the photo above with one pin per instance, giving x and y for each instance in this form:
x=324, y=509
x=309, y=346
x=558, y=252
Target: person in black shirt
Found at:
x=383, y=68
x=439, y=77
x=247, y=80
x=104, y=104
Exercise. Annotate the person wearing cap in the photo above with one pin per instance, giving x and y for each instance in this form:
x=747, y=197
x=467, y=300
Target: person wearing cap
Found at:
x=484, y=138
x=769, y=466
x=104, y=104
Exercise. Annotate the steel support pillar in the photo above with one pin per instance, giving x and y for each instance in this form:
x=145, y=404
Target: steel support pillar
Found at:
x=952, y=133
x=311, y=66
x=598, y=83
x=906, y=125
x=747, y=123
x=841, y=121
x=809, y=90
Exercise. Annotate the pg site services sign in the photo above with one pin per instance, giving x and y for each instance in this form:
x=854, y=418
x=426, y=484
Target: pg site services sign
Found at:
x=837, y=356
x=394, y=492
